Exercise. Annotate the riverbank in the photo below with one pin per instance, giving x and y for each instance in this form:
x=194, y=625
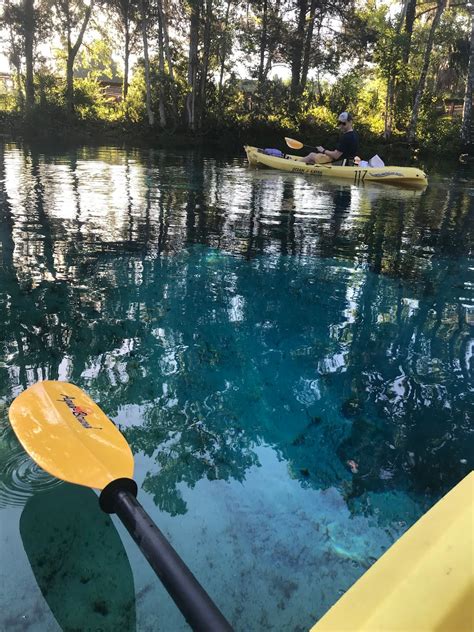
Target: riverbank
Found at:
x=61, y=131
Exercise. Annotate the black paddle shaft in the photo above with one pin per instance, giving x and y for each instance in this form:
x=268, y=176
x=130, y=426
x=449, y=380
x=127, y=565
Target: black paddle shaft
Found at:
x=195, y=604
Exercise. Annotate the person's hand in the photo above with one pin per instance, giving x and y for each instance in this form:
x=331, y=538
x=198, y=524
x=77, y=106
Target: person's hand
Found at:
x=320, y=149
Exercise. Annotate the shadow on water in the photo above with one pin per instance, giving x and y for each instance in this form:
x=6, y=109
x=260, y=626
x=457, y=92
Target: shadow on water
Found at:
x=234, y=308
x=71, y=543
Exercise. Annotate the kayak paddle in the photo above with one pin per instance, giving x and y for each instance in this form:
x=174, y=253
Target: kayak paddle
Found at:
x=68, y=435
x=296, y=144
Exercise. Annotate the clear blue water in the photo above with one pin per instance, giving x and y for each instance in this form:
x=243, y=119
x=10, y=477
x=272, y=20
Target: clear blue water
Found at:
x=291, y=361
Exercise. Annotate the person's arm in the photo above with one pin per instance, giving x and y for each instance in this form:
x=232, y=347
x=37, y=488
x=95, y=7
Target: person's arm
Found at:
x=334, y=154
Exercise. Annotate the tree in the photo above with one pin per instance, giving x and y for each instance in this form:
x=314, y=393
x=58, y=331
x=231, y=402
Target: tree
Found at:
x=297, y=47
x=74, y=16
x=262, y=36
x=403, y=83
x=411, y=134
x=263, y=46
x=26, y=22
x=144, y=23
x=466, y=127
x=193, y=62
x=128, y=19
x=12, y=20
x=391, y=62
x=164, y=42
x=311, y=42
x=225, y=42
x=410, y=13
x=29, y=30
x=206, y=53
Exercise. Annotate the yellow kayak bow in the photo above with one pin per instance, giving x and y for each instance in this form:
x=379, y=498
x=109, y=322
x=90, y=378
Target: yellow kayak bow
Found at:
x=424, y=582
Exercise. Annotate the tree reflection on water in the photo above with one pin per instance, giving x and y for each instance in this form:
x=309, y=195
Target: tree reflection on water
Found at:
x=236, y=308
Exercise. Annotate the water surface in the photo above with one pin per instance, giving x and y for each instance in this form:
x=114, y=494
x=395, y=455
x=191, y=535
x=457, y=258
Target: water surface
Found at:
x=290, y=359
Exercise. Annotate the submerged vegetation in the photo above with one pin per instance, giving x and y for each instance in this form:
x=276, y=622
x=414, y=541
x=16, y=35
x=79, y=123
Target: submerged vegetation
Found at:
x=155, y=69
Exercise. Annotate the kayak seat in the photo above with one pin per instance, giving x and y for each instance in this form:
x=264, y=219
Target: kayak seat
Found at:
x=347, y=162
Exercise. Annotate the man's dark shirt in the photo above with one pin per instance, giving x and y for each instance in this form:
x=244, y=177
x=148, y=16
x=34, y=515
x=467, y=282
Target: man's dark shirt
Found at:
x=348, y=145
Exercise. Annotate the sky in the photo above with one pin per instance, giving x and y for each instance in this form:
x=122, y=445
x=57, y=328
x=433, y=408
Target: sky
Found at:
x=278, y=70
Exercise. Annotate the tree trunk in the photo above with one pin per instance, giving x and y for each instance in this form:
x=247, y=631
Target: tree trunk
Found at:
x=263, y=46
x=161, y=83
x=467, y=122
x=151, y=118
x=205, y=62
x=297, y=55
x=192, y=66
x=388, y=119
x=69, y=67
x=223, y=52
x=15, y=59
x=70, y=84
x=402, y=83
x=410, y=9
x=29, y=14
x=392, y=77
x=126, y=59
x=162, y=11
x=308, y=44
x=389, y=101
x=72, y=53
x=411, y=135
x=276, y=36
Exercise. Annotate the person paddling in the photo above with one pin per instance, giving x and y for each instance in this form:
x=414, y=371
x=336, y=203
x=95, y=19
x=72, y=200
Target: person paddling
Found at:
x=346, y=149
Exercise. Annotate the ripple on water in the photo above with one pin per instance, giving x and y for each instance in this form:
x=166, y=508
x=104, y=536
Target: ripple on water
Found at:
x=20, y=477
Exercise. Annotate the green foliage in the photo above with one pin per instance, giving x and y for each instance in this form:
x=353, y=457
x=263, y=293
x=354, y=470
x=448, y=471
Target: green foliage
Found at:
x=320, y=116
x=8, y=102
x=134, y=108
x=50, y=89
x=227, y=108
x=95, y=61
x=91, y=101
x=371, y=105
x=345, y=92
x=348, y=72
x=439, y=134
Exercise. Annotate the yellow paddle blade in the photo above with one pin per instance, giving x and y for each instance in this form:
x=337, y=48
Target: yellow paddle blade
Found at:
x=294, y=144
x=69, y=436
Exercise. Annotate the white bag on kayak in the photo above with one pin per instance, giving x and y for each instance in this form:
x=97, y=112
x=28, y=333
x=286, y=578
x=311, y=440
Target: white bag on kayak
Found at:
x=376, y=161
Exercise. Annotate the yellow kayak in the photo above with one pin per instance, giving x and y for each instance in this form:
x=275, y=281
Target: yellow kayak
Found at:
x=424, y=582
x=407, y=176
